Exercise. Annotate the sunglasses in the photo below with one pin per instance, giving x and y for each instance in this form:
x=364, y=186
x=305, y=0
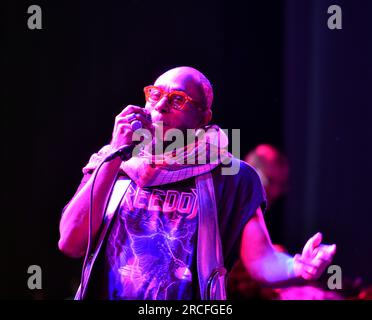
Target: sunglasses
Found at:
x=176, y=99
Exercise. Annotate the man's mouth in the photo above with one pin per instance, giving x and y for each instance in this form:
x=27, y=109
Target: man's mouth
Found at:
x=161, y=122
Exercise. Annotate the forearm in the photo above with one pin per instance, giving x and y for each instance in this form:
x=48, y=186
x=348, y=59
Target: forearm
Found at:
x=274, y=270
x=74, y=226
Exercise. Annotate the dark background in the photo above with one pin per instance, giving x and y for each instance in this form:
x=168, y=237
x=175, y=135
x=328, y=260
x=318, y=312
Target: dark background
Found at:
x=279, y=74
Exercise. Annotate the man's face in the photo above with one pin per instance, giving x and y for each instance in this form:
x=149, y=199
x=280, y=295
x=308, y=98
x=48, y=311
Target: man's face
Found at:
x=190, y=117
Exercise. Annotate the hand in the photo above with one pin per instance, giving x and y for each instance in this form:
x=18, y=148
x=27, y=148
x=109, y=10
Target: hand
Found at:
x=315, y=258
x=122, y=133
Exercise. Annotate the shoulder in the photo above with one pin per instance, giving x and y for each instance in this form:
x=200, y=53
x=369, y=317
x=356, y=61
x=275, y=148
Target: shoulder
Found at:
x=243, y=184
x=237, y=170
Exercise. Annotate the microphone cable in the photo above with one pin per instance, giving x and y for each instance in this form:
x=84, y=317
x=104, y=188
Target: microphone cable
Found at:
x=125, y=153
x=90, y=231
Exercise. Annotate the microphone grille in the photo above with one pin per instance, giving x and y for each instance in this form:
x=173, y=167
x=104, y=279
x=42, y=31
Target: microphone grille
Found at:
x=135, y=125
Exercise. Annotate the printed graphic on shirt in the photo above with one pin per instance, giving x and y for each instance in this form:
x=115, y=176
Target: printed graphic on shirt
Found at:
x=150, y=250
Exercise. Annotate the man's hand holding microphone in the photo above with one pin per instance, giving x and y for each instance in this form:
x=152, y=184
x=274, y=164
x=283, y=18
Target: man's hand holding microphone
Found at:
x=127, y=122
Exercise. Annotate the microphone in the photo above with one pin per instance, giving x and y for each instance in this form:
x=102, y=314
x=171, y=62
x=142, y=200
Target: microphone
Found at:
x=136, y=124
x=125, y=152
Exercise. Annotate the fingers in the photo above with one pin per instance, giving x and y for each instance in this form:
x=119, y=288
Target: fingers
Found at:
x=324, y=255
x=123, y=131
x=132, y=109
x=312, y=268
x=307, y=271
x=326, y=249
x=121, y=128
x=310, y=276
x=311, y=244
x=317, y=240
x=132, y=113
x=332, y=249
x=145, y=120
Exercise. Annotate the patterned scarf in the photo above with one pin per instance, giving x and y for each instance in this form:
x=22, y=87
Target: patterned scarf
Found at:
x=203, y=154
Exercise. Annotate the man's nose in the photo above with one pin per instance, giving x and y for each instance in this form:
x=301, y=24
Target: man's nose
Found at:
x=162, y=106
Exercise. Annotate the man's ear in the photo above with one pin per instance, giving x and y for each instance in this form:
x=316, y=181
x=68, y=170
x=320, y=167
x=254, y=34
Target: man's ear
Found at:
x=207, y=117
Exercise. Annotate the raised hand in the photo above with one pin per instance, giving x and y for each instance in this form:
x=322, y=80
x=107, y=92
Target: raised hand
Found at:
x=123, y=132
x=315, y=258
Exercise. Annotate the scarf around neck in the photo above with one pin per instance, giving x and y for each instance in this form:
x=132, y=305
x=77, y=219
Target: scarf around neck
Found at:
x=207, y=150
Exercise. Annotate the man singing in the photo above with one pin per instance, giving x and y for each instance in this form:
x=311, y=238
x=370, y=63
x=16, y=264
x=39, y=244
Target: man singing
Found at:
x=169, y=221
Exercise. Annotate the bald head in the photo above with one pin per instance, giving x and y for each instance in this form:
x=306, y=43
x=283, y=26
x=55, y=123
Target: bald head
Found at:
x=194, y=80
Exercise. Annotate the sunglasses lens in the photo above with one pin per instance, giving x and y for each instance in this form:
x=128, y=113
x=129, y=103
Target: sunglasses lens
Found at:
x=154, y=95
x=177, y=100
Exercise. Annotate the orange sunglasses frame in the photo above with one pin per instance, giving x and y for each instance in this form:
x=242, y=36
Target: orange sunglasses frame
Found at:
x=166, y=94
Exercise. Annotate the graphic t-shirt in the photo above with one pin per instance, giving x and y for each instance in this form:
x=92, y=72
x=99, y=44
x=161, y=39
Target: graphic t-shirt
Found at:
x=150, y=249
